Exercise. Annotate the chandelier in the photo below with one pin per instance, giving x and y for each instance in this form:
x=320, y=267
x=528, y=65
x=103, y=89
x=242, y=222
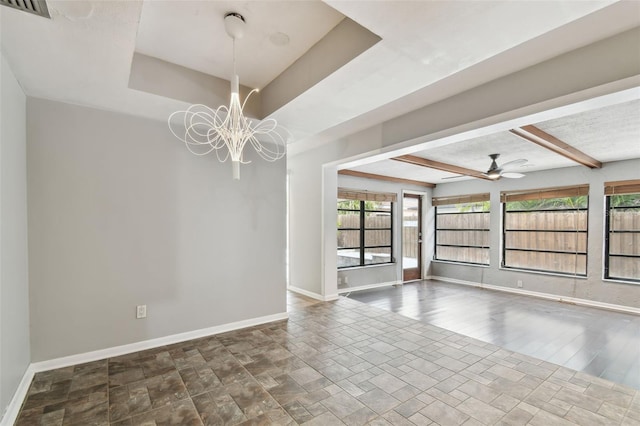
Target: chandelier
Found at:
x=225, y=129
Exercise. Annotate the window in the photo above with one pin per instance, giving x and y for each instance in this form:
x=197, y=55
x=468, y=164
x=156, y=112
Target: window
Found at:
x=462, y=229
x=546, y=230
x=365, y=231
x=622, y=238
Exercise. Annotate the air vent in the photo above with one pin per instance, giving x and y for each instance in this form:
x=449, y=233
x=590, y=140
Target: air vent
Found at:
x=37, y=7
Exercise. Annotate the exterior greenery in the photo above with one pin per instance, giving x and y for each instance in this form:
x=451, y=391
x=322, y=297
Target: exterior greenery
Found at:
x=564, y=203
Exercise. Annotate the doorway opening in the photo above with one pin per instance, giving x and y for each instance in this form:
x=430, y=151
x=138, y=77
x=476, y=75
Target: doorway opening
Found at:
x=411, y=237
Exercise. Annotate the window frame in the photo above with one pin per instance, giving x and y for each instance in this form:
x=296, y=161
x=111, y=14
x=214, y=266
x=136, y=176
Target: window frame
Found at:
x=613, y=189
x=551, y=193
x=453, y=201
x=362, y=247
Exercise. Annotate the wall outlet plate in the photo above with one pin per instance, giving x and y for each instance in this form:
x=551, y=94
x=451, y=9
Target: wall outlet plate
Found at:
x=141, y=311
x=519, y=283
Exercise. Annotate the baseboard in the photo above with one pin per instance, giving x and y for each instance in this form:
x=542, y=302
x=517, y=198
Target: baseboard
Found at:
x=548, y=296
x=313, y=295
x=13, y=409
x=368, y=286
x=153, y=343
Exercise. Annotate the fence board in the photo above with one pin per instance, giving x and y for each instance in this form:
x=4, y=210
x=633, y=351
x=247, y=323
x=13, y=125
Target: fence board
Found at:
x=569, y=263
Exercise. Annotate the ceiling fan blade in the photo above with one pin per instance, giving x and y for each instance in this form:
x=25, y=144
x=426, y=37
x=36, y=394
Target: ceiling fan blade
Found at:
x=511, y=175
x=514, y=163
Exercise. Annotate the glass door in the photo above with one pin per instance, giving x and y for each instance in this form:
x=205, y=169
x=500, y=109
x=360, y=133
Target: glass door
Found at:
x=411, y=237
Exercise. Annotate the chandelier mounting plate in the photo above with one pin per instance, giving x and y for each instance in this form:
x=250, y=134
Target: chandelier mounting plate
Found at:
x=234, y=25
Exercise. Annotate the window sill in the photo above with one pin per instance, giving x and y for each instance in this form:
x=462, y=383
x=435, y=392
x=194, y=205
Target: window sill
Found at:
x=450, y=262
x=552, y=274
x=619, y=281
x=376, y=265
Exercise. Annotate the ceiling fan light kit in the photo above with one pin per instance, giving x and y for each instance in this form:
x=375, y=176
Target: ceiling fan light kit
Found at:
x=226, y=130
x=496, y=172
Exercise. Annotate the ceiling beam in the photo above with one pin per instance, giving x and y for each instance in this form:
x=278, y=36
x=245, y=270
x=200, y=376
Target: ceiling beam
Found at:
x=419, y=161
x=550, y=142
x=355, y=173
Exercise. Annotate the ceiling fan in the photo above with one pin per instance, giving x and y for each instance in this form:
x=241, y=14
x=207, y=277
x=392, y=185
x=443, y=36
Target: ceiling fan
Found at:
x=496, y=172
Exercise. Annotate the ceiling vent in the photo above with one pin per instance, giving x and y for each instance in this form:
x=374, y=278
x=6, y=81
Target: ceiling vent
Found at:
x=37, y=7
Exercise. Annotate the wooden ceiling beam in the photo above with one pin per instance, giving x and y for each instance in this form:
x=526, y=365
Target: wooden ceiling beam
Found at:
x=419, y=161
x=540, y=137
x=355, y=173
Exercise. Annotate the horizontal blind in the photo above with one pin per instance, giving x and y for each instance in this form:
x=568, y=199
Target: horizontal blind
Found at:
x=539, y=194
x=363, y=195
x=622, y=187
x=460, y=199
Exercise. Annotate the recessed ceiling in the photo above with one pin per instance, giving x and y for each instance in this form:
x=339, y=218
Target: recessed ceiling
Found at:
x=83, y=54
x=407, y=55
x=192, y=34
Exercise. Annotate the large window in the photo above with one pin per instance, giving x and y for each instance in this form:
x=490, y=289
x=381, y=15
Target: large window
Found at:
x=365, y=228
x=546, y=230
x=622, y=239
x=462, y=229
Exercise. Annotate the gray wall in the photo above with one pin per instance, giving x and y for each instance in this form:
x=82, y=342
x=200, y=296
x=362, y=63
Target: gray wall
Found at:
x=310, y=205
x=498, y=105
x=121, y=214
x=368, y=275
x=14, y=286
x=593, y=287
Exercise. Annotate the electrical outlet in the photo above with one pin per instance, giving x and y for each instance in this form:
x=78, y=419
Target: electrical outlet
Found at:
x=141, y=311
x=519, y=283
x=345, y=280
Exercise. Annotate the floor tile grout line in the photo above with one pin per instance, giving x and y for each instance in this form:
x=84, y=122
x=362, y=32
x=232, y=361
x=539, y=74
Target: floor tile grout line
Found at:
x=523, y=399
x=537, y=304
x=576, y=381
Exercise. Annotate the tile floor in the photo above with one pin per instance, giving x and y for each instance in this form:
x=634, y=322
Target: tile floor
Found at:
x=595, y=341
x=331, y=363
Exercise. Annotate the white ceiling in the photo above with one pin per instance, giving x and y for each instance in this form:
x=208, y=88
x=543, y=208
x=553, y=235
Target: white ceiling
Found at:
x=207, y=48
x=607, y=134
x=83, y=55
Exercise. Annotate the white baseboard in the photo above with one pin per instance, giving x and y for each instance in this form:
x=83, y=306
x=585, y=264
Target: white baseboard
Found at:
x=368, y=286
x=548, y=296
x=313, y=295
x=153, y=343
x=13, y=409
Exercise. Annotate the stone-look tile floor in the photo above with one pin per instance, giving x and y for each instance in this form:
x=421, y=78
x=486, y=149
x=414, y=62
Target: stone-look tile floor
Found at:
x=595, y=341
x=331, y=363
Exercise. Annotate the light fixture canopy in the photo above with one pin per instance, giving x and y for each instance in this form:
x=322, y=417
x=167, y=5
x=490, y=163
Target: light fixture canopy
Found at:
x=226, y=130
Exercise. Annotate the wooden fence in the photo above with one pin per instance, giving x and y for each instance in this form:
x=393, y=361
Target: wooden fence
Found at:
x=519, y=236
x=377, y=237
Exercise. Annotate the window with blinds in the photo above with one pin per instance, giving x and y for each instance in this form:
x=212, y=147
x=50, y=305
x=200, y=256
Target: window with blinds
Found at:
x=462, y=229
x=365, y=227
x=622, y=236
x=546, y=229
